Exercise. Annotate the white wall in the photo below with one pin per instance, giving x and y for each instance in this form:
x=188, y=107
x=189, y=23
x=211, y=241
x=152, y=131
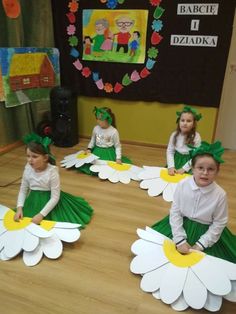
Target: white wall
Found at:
x=226, y=123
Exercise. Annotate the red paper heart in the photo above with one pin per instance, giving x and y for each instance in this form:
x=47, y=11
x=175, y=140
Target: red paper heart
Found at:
x=118, y=87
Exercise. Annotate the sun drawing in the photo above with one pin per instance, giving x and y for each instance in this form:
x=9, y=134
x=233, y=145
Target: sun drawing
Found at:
x=157, y=180
x=114, y=172
x=195, y=280
x=34, y=240
x=78, y=159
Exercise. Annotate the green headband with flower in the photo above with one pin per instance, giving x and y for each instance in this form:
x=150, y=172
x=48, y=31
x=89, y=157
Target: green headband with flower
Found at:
x=197, y=116
x=102, y=114
x=44, y=141
x=215, y=150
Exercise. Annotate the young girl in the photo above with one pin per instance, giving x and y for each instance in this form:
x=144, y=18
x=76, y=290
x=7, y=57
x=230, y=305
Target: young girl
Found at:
x=199, y=212
x=40, y=196
x=178, y=159
x=105, y=141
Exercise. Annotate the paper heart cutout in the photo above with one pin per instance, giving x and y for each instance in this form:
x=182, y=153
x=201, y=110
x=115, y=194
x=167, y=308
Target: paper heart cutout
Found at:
x=135, y=76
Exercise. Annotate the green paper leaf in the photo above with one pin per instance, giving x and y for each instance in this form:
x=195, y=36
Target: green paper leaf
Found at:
x=126, y=80
x=158, y=12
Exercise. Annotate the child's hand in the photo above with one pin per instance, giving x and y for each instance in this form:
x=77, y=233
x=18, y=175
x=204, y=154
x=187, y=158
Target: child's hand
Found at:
x=37, y=219
x=88, y=151
x=196, y=247
x=180, y=171
x=19, y=214
x=171, y=171
x=118, y=161
x=183, y=248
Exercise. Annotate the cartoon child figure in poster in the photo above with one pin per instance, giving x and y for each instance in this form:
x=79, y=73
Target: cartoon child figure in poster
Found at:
x=134, y=43
x=124, y=24
x=87, y=45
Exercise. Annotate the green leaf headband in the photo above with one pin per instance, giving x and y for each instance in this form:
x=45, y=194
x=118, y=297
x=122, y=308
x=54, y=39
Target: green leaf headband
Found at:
x=44, y=141
x=215, y=150
x=197, y=116
x=102, y=114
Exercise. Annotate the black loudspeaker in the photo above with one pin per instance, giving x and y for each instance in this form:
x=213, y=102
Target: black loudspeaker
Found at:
x=64, y=117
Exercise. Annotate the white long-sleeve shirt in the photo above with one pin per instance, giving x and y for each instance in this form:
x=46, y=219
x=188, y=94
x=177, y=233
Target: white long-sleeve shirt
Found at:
x=47, y=180
x=207, y=205
x=180, y=147
x=106, y=138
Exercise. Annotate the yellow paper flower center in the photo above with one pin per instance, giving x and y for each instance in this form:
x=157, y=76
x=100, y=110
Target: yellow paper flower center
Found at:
x=82, y=155
x=10, y=224
x=172, y=179
x=178, y=259
x=119, y=167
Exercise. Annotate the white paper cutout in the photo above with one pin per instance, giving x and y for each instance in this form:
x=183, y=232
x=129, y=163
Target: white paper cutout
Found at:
x=156, y=181
x=34, y=240
x=78, y=159
x=110, y=170
x=195, y=280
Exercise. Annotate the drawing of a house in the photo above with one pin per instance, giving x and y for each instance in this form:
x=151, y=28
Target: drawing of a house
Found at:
x=31, y=70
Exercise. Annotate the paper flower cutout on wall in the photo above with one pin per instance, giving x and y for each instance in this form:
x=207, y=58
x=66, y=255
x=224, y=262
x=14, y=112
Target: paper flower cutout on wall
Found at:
x=116, y=172
x=34, y=240
x=157, y=180
x=193, y=280
x=78, y=159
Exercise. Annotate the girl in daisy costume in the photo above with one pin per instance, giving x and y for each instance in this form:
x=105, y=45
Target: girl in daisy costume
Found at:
x=199, y=212
x=40, y=195
x=177, y=154
x=105, y=141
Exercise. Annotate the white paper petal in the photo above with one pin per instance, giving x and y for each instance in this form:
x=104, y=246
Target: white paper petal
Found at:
x=3, y=256
x=14, y=242
x=226, y=266
x=213, y=302
x=79, y=163
x=106, y=172
x=70, y=163
x=30, y=241
x=125, y=177
x=34, y=257
x=142, y=247
x=68, y=235
x=2, y=228
x=168, y=192
x=151, y=281
x=156, y=295
x=66, y=225
x=157, y=188
x=95, y=168
x=2, y=240
x=150, y=173
x=148, y=262
x=52, y=247
x=149, y=236
x=180, y=304
x=38, y=231
x=170, y=289
x=206, y=272
x=113, y=177
x=71, y=156
x=194, y=292
x=145, y=184
x=232, y=295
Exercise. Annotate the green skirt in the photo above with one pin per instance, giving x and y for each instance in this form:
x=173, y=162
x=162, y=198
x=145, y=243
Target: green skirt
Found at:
x=180, y=160
x=224, y=248
x=107, y=153
x=70, y=208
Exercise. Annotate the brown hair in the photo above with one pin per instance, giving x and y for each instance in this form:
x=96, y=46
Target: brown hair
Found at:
x=38, y=148
x=189, y=139
x=198, y=156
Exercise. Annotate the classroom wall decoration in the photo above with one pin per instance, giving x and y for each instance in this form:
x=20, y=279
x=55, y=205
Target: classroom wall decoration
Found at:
x=150, y=50
x=27, y=74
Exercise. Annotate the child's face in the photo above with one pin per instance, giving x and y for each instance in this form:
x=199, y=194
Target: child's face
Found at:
x=103, y=123
x=205, y=171
x=186, y=122
x=37, y=161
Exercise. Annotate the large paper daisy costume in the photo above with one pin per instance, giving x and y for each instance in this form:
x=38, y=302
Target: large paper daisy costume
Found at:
x=195, y=280
x=78, y=159
x=156, y=180
x=34, y=240
x=114, y=172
